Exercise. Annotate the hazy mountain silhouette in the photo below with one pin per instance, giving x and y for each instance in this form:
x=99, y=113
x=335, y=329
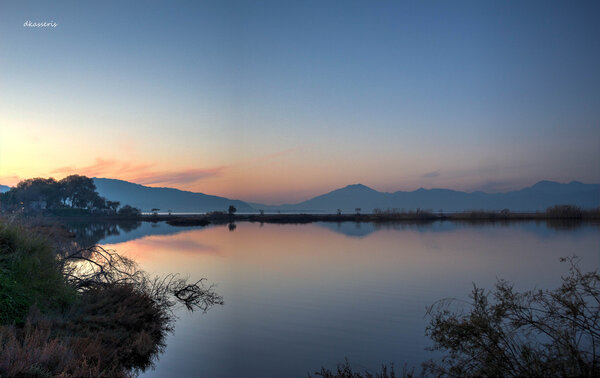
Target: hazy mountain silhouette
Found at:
x=537, y=197
x=147, y=198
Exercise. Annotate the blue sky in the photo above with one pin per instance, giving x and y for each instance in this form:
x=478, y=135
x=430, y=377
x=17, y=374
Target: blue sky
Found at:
x=277, y=101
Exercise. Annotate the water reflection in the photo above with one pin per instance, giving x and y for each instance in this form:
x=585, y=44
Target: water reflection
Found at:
x=90, y=233
x=360, y=230
x=303, y=296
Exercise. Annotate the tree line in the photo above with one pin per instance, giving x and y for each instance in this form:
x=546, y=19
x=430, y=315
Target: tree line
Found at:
x=74, y=192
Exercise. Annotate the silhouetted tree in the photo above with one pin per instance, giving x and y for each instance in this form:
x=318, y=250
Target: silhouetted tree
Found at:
x=357, y=210
x=155, y=211
x=231, y=210
x=261, y=211
x=78, y=191
x=113, y=205
x=72, y=192
x=37, y=192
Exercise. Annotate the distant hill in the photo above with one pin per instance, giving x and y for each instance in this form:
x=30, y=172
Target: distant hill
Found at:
x=4, y=188
x=147, y=198
x=537, y=197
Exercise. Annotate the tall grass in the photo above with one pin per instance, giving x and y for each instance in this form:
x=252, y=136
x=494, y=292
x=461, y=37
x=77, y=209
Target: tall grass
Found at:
x=30, y=274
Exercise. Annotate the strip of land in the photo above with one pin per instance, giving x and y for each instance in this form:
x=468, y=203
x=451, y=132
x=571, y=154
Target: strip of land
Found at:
x=554, y=213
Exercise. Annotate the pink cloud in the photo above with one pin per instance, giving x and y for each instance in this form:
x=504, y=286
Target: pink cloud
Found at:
x=177, y=177
x=140, y=173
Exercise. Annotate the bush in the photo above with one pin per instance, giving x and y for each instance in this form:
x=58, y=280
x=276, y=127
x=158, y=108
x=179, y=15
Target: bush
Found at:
x=129, y=211
x=534, y=333
x=564, y=211
x=344, y=370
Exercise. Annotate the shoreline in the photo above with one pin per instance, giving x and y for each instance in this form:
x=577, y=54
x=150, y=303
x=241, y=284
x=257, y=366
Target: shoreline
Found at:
x=418, y=217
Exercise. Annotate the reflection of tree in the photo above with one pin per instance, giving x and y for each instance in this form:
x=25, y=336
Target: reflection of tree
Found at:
x=564, y=224
x=90, y=233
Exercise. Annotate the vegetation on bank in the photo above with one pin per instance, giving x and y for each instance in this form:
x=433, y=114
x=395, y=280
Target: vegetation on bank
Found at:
x=559, y=212
x=30, y=275
x=74, y=195
x=535, y=333
x=83, y=311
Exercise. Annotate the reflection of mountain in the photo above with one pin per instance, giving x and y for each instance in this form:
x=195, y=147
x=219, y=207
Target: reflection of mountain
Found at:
x=89, y=233
x=359, y=230
x=537, y=197
x=541, y=228
x=147, y=198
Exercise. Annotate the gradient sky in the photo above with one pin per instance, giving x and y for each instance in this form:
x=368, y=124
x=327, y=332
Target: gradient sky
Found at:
x=280, y=101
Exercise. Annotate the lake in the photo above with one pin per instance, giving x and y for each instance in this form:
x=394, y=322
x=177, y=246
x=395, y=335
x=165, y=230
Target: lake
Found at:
x=298, y=297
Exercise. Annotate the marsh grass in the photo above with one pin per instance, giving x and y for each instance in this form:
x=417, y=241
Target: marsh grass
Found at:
x=30, y=274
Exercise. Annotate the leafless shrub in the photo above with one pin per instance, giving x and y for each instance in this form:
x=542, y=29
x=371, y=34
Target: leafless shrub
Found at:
x=345, y=370
x=534, y=333
x=172, y=289
x=94, y=267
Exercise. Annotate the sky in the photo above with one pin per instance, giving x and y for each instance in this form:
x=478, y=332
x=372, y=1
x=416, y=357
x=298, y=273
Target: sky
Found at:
x=276, y=102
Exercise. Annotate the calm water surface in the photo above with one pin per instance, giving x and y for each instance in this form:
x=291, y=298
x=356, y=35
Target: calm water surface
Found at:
x=298, y=297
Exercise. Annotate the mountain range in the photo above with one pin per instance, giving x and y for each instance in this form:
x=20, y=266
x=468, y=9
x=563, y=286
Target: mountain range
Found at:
x=178, y=201
x=537, y=197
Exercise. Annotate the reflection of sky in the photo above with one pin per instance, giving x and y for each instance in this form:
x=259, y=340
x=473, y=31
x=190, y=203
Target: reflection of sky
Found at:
x=277, y=101
x=300, y=296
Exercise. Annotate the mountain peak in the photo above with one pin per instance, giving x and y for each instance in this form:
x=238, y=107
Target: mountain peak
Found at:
x=358, y=188
x=545, y=184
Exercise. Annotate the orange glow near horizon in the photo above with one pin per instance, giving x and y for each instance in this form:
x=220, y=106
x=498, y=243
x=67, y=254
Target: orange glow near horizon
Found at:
x=286, y=175
x=271, y=176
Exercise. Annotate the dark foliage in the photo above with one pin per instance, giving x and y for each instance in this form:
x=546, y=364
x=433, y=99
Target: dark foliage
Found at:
x=565, y=212
x=99, y=315
x=74, y=195
x=129, y=211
